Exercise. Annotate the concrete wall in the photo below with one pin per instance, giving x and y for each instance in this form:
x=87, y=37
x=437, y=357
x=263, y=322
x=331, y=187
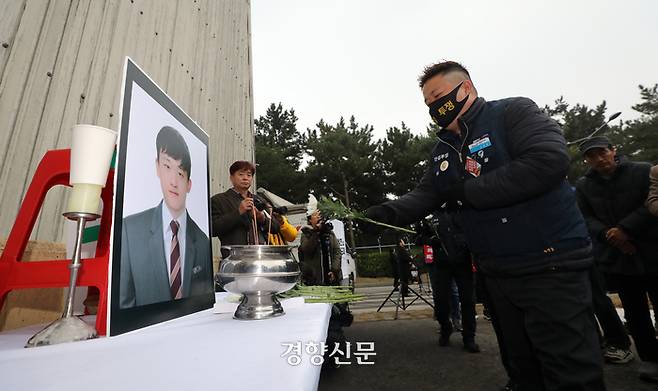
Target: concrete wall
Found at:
x=61, y=64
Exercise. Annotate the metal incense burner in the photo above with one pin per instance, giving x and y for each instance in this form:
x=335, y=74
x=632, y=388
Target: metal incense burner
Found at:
x=258, y=273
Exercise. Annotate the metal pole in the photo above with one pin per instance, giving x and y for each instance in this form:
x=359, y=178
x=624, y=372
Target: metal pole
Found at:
x=74, y=267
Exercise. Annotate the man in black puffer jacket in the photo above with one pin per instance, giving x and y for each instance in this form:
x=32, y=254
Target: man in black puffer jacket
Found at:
x=611, y=196
x=502, y=166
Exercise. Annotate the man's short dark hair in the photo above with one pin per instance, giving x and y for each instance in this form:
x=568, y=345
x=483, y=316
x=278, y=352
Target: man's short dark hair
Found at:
x=440, y=68
x=171, y=142
x=242, y=165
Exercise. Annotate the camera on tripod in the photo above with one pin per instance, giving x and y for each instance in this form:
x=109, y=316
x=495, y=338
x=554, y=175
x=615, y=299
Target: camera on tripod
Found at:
x=326, y=227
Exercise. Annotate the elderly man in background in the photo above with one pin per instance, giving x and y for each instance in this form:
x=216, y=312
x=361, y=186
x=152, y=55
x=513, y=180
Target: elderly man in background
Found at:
x=611, y=196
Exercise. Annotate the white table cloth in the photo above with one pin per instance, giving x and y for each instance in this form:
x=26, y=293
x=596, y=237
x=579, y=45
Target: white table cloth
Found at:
x=202, y=351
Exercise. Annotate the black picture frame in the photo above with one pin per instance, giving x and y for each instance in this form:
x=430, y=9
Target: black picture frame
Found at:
x=122, y=320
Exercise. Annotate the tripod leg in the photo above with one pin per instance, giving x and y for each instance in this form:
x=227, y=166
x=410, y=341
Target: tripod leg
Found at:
x=400, y=300
x=411, y=302
x=421, y=297
x=387, y=299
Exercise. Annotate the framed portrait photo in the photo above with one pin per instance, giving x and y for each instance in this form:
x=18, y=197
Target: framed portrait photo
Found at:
x=161, y=260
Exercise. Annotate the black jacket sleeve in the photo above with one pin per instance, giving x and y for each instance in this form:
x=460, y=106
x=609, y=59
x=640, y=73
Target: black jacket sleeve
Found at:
x=539, y=159
x=225, y=218
x=596, y=227
x=636, y=221
x=416, y=204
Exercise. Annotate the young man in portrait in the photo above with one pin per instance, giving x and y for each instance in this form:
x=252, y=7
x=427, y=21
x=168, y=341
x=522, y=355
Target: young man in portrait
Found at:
x=164, y=254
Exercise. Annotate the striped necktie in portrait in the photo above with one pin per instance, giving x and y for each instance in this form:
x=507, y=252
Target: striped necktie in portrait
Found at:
x=175, y=277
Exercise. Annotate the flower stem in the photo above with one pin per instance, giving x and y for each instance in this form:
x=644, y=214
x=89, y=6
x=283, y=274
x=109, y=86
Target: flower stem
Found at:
x=386, y=225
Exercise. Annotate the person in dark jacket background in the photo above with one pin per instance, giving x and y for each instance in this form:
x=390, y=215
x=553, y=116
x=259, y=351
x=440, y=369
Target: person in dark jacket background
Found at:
x=400, y=259
x=612, y=197
x=428, y=236
x=452, y=260
x=502, y=165
x=320, y=260
x=319, y=253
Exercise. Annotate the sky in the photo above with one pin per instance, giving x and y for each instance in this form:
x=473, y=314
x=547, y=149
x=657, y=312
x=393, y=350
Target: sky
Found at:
x=328, y=59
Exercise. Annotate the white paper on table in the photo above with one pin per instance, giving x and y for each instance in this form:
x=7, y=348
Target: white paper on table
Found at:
x=227, y=303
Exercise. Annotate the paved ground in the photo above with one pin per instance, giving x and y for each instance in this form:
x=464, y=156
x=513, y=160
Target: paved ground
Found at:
x=408, y=356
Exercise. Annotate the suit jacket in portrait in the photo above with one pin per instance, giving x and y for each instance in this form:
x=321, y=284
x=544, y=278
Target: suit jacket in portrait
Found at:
x=144, y=276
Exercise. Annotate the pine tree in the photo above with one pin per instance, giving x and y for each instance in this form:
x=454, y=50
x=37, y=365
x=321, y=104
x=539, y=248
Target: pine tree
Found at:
x=279, y=153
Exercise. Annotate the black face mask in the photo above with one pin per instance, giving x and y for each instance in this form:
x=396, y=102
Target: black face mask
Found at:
x=445, y=109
